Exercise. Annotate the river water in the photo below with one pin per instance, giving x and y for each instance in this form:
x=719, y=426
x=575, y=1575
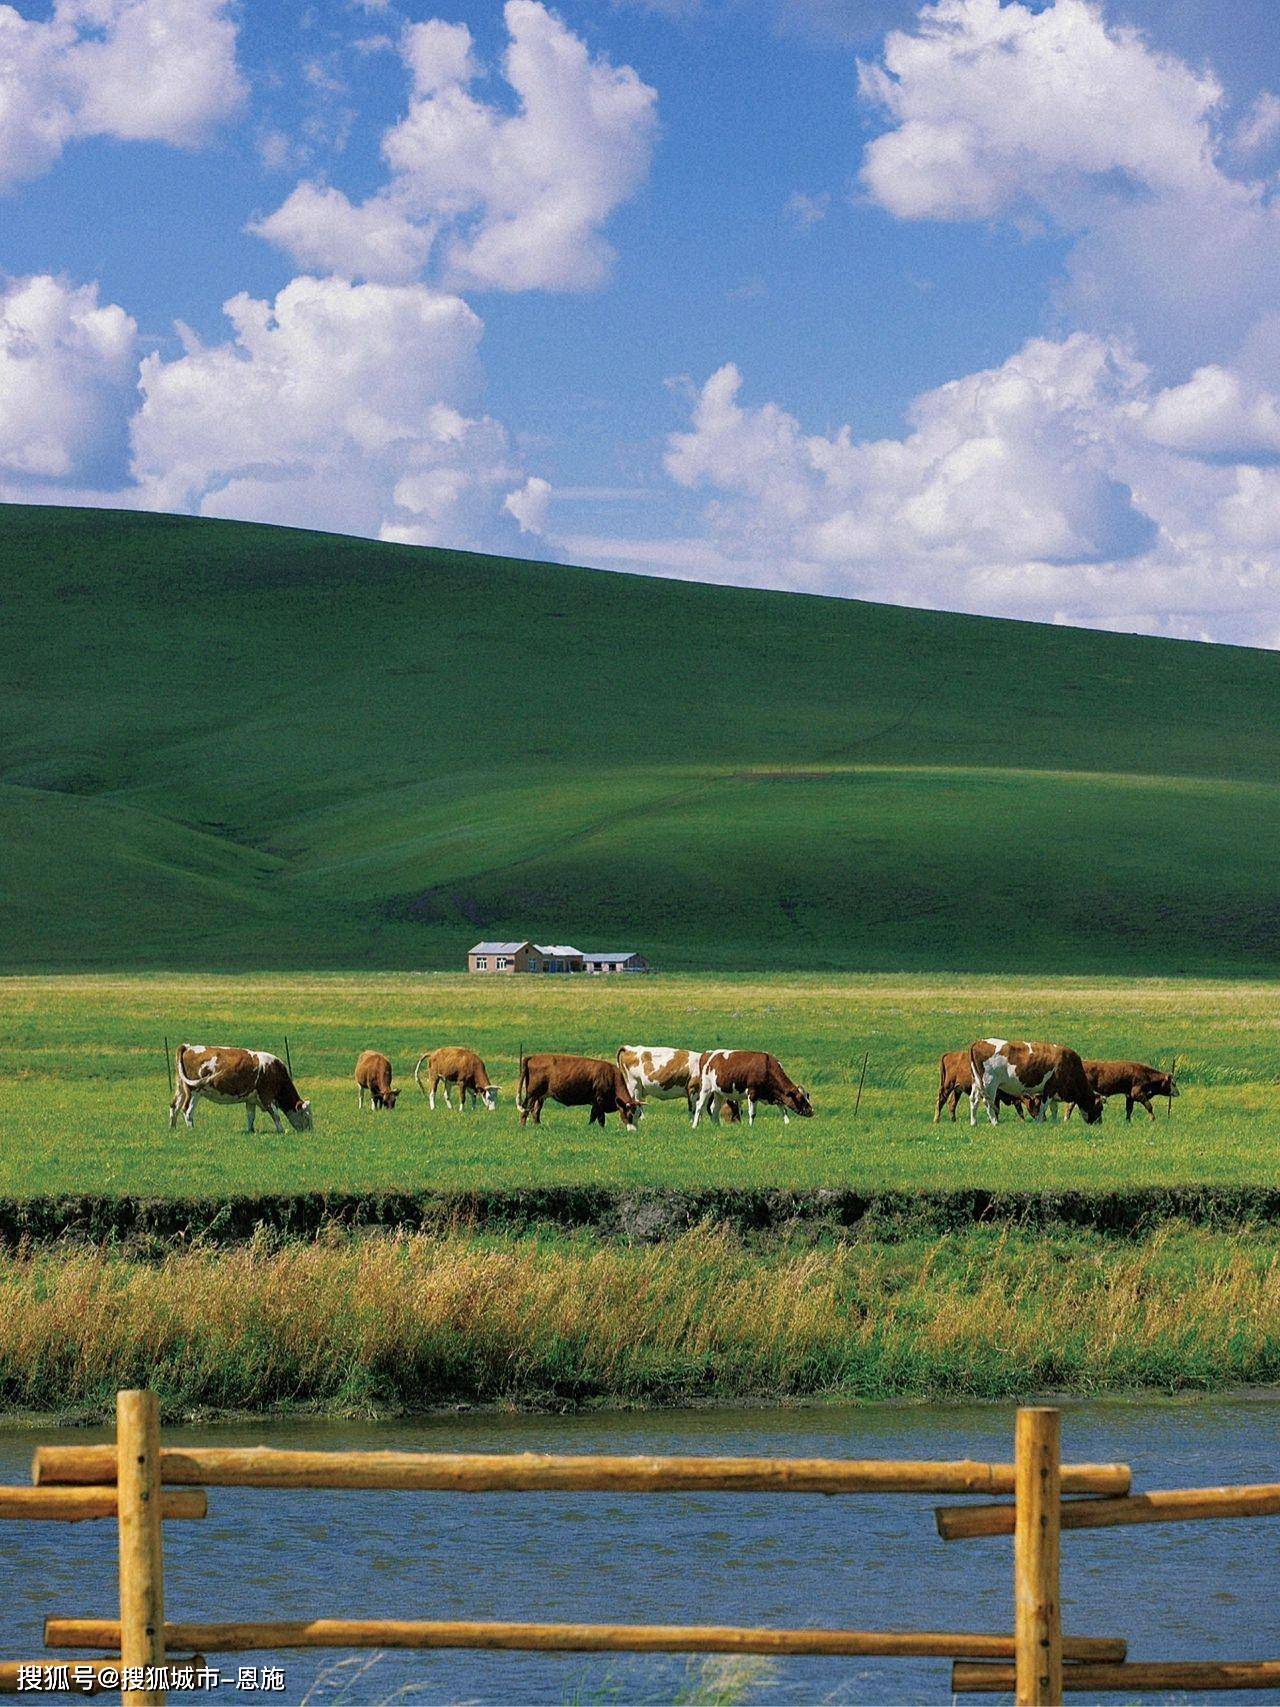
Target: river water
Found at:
x=1189, y=1591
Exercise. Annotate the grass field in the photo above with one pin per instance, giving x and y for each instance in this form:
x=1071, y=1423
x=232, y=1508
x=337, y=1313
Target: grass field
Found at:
x=232, y=746
x=83, y=1096
x=390, y=1324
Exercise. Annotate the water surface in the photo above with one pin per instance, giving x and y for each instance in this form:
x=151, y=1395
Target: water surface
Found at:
x=1190, y=1591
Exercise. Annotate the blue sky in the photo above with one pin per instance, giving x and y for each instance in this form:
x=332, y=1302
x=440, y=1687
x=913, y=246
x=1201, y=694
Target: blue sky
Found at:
x=965, y=305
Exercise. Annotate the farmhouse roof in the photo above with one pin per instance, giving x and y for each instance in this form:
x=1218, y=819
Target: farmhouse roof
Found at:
x=620, y=954
x=498, y=947
x=559, y=948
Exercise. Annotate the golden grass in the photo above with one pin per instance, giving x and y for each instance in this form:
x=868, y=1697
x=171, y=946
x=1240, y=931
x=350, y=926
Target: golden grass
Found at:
x=397, y=1323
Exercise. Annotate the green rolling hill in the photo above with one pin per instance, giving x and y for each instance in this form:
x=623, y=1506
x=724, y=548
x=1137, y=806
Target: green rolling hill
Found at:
x=232, y=746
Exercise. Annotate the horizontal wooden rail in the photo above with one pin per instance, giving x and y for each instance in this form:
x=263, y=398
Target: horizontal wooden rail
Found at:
x=1133, y=1679
x=564, y=1638
x=478, y=1472
x=1175, y=1505
x=76, y=1504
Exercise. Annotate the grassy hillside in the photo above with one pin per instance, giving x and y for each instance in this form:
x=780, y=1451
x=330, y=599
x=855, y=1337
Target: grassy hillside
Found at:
x=224, y=745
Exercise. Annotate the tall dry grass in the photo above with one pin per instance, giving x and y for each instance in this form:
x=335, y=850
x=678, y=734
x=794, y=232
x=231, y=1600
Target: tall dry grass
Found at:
x=383, y=1324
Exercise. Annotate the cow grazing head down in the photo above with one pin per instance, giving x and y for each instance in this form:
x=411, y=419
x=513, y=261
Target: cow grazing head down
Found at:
x=299, y=1117
x=1164, y=1085
x=630, y=1110
x=796, y=1099
x=490, y=1095
x=389, y=1098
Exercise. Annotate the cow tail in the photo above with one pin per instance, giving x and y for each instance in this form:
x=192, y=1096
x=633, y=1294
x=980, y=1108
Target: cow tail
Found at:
x=191, y=1084
x=417, y=1071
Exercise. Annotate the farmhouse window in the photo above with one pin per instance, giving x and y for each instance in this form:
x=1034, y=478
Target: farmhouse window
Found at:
x=503, y=962
x=482, y=962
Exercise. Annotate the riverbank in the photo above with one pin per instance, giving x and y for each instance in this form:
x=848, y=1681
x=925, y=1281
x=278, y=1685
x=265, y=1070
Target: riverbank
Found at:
x=375, y=1324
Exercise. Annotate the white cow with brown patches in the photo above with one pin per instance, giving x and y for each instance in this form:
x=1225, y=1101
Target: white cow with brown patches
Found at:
x=1046, y=1071
x=655, y=1074
x=251, y=1076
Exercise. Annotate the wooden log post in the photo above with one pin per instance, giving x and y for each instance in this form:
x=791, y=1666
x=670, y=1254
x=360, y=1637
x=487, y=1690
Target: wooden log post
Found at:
x=141, y=1540
x=1037, y=1609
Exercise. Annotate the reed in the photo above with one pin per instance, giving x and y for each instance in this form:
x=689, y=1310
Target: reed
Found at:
x=380, y=1324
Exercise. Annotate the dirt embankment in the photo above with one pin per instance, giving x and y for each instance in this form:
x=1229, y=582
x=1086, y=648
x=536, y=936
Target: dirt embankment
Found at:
x=637, y=1216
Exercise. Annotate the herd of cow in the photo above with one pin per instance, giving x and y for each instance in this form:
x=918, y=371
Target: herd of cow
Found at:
x=1033, y=1078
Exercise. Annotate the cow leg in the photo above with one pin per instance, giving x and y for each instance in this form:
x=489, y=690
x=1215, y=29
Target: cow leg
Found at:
x=174, y=1106
x=596, y=1117
x=1146, y=1103
x=1128, y=1107
x=447, y=1103
x=250, y=1111
x=751, y=1109
x=360, y=1096
x=704, y=1097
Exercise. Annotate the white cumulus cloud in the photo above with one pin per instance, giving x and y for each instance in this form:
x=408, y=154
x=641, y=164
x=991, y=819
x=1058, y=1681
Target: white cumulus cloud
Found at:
x=513, y=199
x=1061, y=485
x=68, y=365
x=139, y=70
x=338, y=405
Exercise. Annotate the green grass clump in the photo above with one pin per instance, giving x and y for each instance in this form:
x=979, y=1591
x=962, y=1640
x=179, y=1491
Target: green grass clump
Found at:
x=227, y=745
x=84, y=1100
x=386, y=1324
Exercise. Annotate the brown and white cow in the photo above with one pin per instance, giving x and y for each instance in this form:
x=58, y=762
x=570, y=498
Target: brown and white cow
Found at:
x=955, y=1080
x=575, y=1081
x=660, y=1074
x=250, y=1076
x=753, y=1074
x=455, y=1065
x=1129, y=1079
x=373, y=1074
x=1046, y=1071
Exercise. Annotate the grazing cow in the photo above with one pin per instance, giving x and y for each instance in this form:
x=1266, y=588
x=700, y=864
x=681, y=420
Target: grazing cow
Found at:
x=460, y=1067
x=729, y=1112
x=1129, y=1079
x=955, y=1080
x=661, y=1074
x=1044, y=1071
x=752, y=1074
x=576, y=1081
x=373, y=1074
x=250, y=1076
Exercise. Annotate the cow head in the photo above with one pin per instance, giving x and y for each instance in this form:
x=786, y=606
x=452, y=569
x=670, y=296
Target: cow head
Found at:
x=299, y=1117
x=631, y=1112
x=796, y=1100
x=389, y=1098
x=490, y=1095
x=1164, y=1085
x=1091, y=1109
x=730, y=1114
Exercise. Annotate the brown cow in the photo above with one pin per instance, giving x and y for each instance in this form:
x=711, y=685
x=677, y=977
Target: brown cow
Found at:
x=1129, y=1079
x=576, y=1081
x=955, y=1080
x=753, y=1074
x=373, y=1074
x=250, y=1076
x=1047, y=1072
x=458, y=1066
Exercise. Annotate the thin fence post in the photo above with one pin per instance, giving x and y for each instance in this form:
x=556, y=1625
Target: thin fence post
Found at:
x=141, y=1540
x=1037, y=1610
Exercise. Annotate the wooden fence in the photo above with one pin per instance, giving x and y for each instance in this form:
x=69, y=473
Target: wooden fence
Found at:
x=143, y=1485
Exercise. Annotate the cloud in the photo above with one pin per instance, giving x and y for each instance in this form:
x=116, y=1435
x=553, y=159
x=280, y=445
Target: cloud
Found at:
x=1056, y=120
x=67, y=369
x=1061, y=485
x=529, y=505
x=338, y=405
x=806, y=210
x=998, y=108
x=137, y=70
x=1259, y=127
x=517, y=199
x=321, y=229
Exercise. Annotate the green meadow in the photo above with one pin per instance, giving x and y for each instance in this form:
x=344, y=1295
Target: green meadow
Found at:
x=231, y=747
x=83, y=1099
